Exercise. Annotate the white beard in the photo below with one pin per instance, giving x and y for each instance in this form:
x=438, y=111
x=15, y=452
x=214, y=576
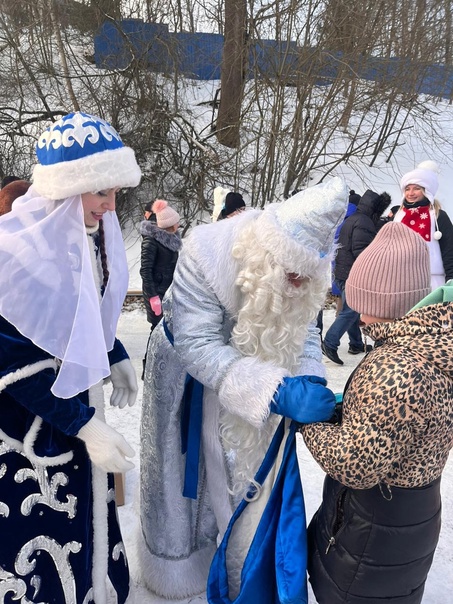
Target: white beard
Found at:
x=272, y=325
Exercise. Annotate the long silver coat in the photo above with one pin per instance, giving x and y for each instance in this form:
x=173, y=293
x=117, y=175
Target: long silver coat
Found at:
x=178, y=535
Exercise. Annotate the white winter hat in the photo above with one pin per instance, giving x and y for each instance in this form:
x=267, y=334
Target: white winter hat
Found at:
x=299, y=232
x=80, y=154
x=423, y=177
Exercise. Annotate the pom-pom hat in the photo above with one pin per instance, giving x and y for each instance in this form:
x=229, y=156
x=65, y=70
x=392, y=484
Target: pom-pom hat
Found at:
x=354, y=197
x=391, y=275
x=165, y=215
x=299, y=232
x=79, y=154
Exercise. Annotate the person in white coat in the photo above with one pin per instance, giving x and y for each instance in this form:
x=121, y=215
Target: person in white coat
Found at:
x=238, y=335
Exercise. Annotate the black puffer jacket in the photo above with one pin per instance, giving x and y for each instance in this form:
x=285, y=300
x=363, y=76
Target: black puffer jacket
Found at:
x=158, y=260
x=373, y=545
x=359, y=230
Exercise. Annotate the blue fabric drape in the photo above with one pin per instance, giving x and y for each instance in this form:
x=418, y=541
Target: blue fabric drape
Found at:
x=274, y=570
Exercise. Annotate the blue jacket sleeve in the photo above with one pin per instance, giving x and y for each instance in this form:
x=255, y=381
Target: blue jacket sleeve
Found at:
x=33, y=392
x=118, y=353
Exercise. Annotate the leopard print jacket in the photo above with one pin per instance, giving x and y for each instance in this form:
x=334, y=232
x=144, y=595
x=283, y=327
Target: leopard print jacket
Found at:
x=398, y=408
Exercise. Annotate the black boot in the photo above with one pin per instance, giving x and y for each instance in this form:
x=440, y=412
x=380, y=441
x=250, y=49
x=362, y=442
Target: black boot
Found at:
x=331, y=354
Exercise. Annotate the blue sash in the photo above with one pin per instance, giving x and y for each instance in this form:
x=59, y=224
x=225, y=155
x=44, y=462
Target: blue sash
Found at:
x=191, y=420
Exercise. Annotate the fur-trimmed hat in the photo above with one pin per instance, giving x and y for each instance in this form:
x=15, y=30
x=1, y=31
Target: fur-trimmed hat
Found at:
x=165, y=215
x=425, y=175
x=80, y=154
x=391, y=275
x=299, y=232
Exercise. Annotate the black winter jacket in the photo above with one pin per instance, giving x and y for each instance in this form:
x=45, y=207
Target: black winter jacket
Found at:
x=158, y=260
x=358, y=231
x=350, y=555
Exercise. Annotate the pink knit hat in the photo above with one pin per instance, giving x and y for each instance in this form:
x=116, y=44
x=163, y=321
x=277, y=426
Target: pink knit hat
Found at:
x=165, y=215
x=391, y=275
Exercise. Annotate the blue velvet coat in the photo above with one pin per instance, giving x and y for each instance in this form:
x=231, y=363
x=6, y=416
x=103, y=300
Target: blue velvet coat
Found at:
x=46, y=487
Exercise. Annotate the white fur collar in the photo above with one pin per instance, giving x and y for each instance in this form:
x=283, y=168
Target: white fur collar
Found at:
x=172, y=241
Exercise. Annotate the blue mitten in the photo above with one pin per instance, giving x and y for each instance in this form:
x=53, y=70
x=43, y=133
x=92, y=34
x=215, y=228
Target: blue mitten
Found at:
x=305, y=399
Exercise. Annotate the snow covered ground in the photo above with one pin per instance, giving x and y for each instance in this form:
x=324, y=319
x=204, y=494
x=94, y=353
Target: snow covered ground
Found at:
x=133, y=331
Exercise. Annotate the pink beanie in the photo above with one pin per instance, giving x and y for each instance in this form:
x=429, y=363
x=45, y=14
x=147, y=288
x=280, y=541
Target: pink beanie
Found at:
x=424, y=178
x=391, y=275
x=165, y=215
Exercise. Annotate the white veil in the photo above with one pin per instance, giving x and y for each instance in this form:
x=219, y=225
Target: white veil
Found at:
x=48, y=291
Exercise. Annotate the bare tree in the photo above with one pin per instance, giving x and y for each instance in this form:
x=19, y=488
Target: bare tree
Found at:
x=329, y=82
x=234, y=63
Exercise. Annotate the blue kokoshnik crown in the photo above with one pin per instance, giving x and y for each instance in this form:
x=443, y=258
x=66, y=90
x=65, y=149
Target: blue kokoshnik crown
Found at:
x=79, y=154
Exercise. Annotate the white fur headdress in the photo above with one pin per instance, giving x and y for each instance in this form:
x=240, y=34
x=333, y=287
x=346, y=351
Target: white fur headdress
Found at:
x=299, y=232
x=79, y=154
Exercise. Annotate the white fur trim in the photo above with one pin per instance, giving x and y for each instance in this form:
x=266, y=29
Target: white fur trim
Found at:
x=100, y=511
x=27, y=371
x=96, y=172
x=100, y=535
x=210, y=246
x=174, y=579
x=248, y=389
x=12, y=443
x=29, y=439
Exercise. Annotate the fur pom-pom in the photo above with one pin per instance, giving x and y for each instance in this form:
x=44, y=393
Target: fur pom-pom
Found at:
x=159, y=205
x=429, y=164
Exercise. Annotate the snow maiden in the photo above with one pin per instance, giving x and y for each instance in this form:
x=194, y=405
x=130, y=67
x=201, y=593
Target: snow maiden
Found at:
x=63, y=281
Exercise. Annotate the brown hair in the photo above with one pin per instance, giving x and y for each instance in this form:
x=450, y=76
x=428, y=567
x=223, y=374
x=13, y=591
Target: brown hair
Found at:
x=10, y=192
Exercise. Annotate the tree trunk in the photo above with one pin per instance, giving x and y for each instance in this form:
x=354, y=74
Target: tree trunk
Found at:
x=234, y=62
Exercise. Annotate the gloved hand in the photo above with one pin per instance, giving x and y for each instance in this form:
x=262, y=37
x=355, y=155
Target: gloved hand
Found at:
x=156, y=305
x=106, y=447
x=124, y=383
x=304, y=398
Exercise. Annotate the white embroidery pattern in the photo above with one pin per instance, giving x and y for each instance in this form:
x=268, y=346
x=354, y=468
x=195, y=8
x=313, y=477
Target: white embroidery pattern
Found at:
x=80, y=129
x=48, y=488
